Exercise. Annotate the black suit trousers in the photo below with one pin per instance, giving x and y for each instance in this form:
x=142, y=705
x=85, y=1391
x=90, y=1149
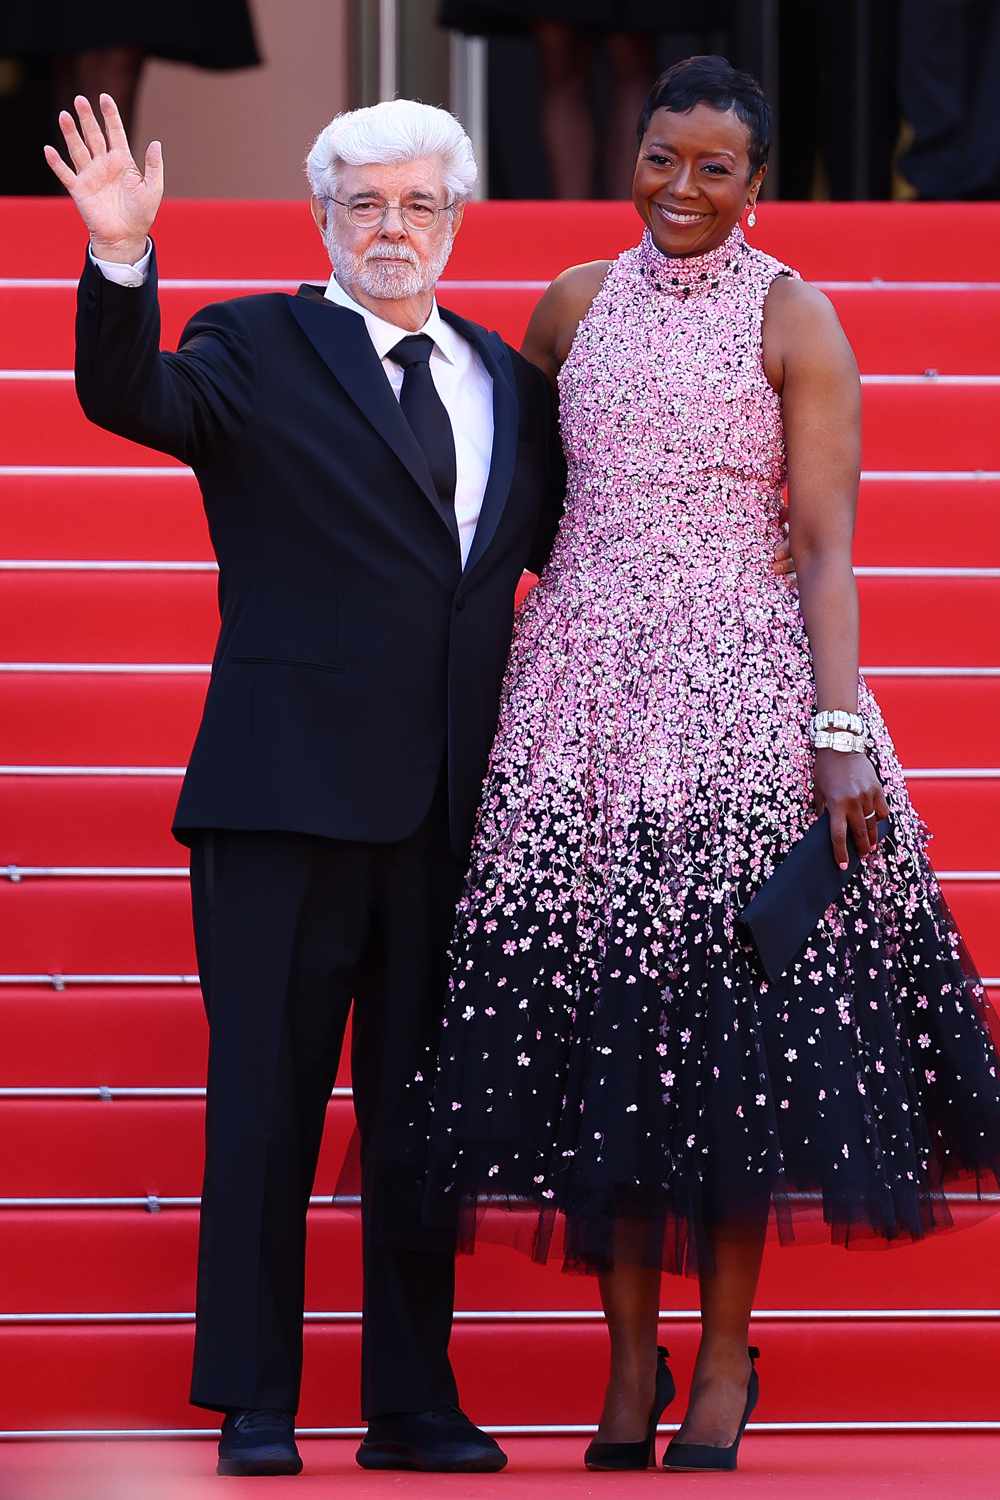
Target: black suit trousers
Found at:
x=290, y=928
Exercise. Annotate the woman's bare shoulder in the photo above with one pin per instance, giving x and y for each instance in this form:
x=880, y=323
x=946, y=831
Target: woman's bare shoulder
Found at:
x=559, y=313
x=799, y=304
x=800, y=326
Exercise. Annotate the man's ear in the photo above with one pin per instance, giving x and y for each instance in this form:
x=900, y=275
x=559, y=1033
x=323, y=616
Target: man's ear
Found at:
x=456, y=219
x=318, y=207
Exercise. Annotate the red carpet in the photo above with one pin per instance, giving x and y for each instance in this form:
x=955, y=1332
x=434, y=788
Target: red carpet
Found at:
x=96, y=942
x=772, y=1467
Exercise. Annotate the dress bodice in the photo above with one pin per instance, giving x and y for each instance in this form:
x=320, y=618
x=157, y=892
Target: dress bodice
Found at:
x=670, y=425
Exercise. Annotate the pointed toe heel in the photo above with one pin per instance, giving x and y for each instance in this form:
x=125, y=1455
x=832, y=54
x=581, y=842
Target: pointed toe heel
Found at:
x=641, y=1455
x=693, y=1458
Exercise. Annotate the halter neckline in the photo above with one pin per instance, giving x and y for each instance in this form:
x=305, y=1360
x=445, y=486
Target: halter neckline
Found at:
x=688, y=275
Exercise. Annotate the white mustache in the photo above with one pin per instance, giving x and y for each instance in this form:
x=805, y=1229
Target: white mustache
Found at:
x=390, y=253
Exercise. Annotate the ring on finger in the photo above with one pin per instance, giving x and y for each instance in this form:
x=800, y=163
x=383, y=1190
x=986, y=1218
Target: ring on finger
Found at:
x=869, y=816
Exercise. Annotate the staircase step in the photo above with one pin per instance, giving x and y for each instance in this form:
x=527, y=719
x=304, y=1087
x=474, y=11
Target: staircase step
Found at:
x=149, y=719
x=139, y=617
x=111, y=1035
x=80, y=718
x=55, y=1148
x=102, y=926
x=118, y=1036
x=157, y=516
x=88, y=820
x=924, y=424
x=928, y=522
x=143, y=926
x=42, y=237
x=128, y=1260
x=512, y=1373
x=55, y=821
x=892, y=330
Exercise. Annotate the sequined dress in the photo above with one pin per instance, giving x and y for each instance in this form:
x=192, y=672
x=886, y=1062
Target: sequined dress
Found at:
x=611, y=1050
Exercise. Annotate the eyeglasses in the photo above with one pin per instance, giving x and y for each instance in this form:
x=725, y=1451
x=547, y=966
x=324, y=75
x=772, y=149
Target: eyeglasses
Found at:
x=371, y=213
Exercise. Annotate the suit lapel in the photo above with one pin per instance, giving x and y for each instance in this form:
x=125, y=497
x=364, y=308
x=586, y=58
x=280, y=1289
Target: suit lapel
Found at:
x=340, y=338
x=493, y=352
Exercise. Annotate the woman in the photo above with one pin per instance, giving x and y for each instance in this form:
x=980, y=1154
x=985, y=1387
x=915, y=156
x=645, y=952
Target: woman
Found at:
x=611, y=1047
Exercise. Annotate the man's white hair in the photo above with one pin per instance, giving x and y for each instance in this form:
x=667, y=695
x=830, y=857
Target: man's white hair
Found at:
x=396, y=130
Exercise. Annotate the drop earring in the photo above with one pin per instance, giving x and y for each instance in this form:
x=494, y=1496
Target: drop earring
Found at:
x=752, y=216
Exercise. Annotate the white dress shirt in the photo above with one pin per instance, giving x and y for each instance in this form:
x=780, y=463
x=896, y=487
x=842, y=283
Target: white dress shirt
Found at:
x=460, y=378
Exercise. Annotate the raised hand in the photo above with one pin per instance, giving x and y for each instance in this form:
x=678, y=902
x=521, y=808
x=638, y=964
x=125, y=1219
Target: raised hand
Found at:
x=116, y=200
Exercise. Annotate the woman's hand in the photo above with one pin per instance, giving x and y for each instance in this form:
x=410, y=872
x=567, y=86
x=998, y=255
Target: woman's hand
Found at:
x=116, y=201
x=783, y=565
x=846, y=785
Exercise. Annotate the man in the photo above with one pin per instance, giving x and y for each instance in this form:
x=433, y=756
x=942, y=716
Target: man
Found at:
x=377, y=473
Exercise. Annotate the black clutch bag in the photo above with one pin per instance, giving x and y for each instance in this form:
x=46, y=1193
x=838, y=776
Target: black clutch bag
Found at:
x=787, y=909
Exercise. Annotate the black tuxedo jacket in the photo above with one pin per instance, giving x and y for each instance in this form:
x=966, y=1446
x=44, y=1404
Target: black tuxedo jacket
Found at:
x=354, y=653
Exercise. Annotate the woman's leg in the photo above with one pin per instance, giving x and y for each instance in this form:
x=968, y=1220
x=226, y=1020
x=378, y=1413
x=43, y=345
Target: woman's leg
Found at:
x=633, y=64
x=630, y=1295
x=109, y=70
x=566, y=119
x=719, y=1388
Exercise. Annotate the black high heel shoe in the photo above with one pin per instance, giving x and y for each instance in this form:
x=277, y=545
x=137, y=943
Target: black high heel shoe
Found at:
x=640, y=1455
x=691, y=1457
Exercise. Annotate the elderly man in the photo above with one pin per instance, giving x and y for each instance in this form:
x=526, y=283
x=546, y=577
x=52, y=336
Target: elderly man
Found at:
x=377, y=473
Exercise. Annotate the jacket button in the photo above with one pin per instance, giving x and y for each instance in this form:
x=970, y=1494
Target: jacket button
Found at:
x=459, y=606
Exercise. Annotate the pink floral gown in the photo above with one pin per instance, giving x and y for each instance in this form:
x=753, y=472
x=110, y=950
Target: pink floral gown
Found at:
x=611, y=1049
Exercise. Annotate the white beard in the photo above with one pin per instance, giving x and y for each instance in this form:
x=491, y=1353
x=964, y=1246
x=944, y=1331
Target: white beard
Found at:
x=387, y=279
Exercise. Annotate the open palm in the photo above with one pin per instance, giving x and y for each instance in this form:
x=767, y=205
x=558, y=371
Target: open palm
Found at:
x=116, y=200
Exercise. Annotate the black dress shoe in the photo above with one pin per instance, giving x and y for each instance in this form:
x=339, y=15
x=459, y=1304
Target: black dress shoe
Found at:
x=443, y=1442
x=259, y=1442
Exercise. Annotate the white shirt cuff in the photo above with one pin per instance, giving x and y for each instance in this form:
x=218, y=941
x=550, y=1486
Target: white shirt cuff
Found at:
x=123, y=275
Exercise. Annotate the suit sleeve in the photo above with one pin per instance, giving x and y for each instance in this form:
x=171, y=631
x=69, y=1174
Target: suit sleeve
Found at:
x=186, y=404
x=554, y=496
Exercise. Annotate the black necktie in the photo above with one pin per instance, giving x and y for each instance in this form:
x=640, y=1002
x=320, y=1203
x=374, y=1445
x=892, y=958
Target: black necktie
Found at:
x=425, y=411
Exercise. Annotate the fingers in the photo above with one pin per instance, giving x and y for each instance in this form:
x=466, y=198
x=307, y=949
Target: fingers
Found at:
x=117, y=138
x=838, y=837
x=859, y=826
x=153, y=167
x=876, y=808
x=65, y=174
x=79, y=154
x=871, y=819
x=92, y=132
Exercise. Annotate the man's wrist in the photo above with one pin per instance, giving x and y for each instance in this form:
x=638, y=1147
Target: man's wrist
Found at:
x=120, y=252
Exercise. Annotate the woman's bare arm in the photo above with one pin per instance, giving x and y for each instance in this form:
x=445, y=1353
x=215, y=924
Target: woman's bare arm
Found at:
x=808, y=358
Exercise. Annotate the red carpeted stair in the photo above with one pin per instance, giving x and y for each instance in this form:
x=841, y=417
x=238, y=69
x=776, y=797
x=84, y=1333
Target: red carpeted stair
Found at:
x=107, y=617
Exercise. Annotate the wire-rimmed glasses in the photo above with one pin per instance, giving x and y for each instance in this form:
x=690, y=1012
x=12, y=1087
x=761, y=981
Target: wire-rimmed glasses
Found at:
x=370, y=212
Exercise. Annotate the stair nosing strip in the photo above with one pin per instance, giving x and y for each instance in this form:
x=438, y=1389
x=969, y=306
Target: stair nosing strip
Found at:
x=155, y=1202
x=125, y=1434
x=14, y=874
x=141, y=471
x=173, y=566
x=538, y=1315
x=920, y=773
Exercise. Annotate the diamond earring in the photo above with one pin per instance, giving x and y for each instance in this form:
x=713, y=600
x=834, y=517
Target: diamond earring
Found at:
x=752, y=216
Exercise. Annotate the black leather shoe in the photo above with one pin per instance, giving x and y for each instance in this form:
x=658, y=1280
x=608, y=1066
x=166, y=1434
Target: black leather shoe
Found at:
x=259, y=1442
x=443, y=1442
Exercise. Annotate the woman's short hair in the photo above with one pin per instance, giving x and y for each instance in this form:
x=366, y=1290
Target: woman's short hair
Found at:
x=714, y=81
x=393, y=131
